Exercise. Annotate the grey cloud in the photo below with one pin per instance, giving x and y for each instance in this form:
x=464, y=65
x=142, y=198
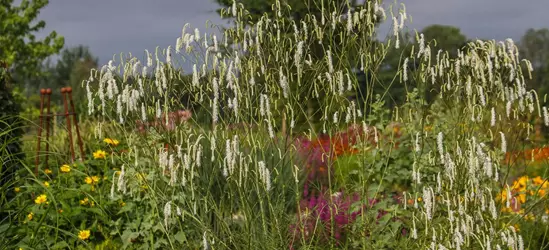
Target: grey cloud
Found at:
x=111, y=27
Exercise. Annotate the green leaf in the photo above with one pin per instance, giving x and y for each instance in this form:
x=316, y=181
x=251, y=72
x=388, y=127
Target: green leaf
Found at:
x=127, y=237
x=60, y=245
x=180, y=237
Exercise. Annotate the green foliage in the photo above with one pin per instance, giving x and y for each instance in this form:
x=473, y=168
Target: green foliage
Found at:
x=429, y=172
x=19, y=47
x=11, y=131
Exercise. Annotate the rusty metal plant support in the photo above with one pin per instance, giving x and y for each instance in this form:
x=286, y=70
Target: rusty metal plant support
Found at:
x=67, y=99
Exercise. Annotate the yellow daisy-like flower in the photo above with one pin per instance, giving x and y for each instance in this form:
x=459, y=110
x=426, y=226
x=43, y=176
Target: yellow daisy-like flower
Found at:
x=88, y=180
x=112, y=142
x=65, y=168
x=84, y=234
x=520, y=185
x=95, y=179
x=99, y=154
x=17, y=189
x=60, y=211
x=46, y=184
x=41, y=199
x=30, y=216
x=47, y=171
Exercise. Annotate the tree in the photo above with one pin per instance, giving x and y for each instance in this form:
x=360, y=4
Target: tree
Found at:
x=81, y=71
x=447, y=38
x=534, y=46
x=299, y=8
x=19, y=48
x=21, y=54
x=78, y=58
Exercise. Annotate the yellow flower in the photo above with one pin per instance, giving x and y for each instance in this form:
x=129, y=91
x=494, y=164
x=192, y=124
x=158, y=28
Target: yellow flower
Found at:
x=517, y=228
x=122, y=204
x=522, y=198
x=30, y=215
x=95, y=179
x=60, y=210
x=46, y=184
x=112, y=142
x=84, y=234
x=502, y=196
x=17, y=189
x=84, y=201
x=88, y=180
x=520, y=185
x=99, y=154
x=41, y=199
x=65, y=168
x=47, y=171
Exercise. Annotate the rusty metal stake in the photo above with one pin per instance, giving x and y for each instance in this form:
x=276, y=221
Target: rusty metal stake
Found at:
x=64, y=93
x=37, y=159
x=48, y=121
x=75, y=120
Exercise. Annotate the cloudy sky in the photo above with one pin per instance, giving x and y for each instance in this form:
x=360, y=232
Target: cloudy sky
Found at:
x=110, y=27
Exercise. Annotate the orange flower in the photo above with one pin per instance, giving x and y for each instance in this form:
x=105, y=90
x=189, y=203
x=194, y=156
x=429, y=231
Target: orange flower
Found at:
x=522, y=198
x=538, y=180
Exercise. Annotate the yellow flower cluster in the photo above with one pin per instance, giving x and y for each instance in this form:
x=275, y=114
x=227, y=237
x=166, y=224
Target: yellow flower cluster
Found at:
x=521, y=189
x=112, y=142
x=86, y=201
x=91, y=180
